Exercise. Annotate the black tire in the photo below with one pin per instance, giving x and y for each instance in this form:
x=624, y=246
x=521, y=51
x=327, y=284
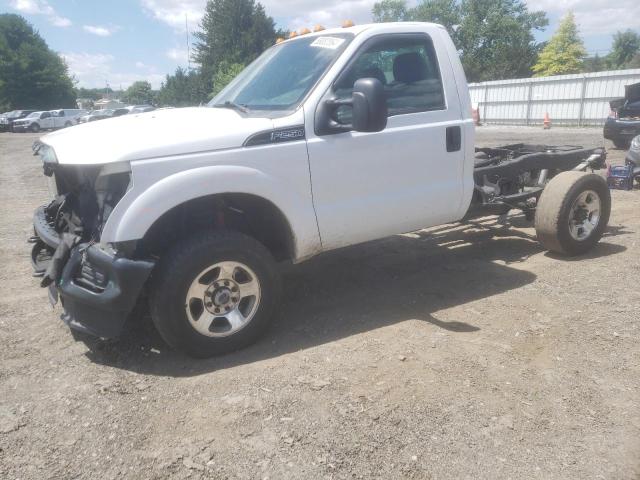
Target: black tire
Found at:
x=67, y=124
x=622, y=144
x=35, y=128
x=182, y=264
x=554, y=208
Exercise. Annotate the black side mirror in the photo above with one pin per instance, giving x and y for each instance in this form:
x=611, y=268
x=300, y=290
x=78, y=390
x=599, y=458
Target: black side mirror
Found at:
x=369, y=109
x=369, y=105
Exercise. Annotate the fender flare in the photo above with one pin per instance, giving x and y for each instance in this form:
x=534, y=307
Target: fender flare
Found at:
x=145, y=203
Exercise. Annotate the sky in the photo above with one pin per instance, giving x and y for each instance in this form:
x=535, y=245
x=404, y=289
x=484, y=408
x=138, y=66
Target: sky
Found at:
x=117, y=42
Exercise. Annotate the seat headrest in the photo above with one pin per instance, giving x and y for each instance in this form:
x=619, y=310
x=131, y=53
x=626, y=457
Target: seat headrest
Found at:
x=374, y=72
x=409, y=67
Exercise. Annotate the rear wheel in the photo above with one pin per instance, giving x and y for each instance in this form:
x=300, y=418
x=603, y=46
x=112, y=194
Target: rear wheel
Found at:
x=573, y=212
x=35, y=128
x=214, y=293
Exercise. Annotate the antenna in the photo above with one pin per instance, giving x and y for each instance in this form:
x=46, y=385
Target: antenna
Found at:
x=186, y=28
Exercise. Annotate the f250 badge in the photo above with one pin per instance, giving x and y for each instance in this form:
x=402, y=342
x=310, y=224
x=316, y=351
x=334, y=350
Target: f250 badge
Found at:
x=289, y=134
x=285, y=135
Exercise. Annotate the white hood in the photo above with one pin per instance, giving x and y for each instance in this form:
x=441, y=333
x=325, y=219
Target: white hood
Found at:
x=154, y=134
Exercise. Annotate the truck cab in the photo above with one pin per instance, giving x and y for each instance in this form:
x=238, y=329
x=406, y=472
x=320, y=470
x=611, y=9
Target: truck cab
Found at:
x=327, y=139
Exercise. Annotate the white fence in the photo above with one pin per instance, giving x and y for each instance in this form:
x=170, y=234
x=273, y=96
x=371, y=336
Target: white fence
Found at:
x=581, y=99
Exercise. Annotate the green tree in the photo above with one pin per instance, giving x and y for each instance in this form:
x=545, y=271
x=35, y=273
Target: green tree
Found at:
x=445, y=12
x=564, y=53
x=634, y=62
x=92, y=93
x=139, y=93
x=390, y=11
x=224, y=74
x=182, y=89
x=234, y=31
x=625, y=46
x=31, y=74
x=495, y=37
x=595, y=64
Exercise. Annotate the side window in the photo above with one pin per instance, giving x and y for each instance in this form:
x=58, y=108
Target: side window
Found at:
x=61, y=113
x=407, y=66
x=45, y=115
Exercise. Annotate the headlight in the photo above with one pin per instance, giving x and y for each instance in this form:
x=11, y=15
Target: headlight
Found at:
x=635, y=143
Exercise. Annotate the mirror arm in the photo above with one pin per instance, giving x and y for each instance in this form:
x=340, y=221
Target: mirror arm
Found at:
x=333, y=104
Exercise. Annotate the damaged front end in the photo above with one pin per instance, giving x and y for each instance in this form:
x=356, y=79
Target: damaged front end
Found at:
x=98, y=285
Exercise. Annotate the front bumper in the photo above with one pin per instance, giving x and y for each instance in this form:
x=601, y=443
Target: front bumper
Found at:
x=97, y=286
x=621, y=130
x=20, y=128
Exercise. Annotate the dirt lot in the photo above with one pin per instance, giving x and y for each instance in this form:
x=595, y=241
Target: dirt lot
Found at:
x=462, y=352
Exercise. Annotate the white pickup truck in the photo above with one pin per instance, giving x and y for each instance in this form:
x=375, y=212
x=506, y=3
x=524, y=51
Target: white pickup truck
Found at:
x=328, y=139
x=48, y=120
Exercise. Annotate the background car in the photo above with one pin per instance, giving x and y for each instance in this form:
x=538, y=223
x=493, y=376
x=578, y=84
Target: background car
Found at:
x=32, y=122
x=47, y=120
x=633, y=157
x=624, y=120
x=95, y=115
x=64, y=117
x=118, y=112
x=141, y=108
x=85, y=118
x=6, y=125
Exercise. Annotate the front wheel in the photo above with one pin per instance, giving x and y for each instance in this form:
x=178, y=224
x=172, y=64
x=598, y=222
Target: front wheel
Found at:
x=573, y=212
x=35, y=128
x=214, y=293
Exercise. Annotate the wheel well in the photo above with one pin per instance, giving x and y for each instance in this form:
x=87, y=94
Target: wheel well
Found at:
x=250, y=214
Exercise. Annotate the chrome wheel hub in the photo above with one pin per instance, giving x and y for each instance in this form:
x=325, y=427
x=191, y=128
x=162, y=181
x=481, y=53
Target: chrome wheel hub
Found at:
x=222, y=299
x=584, y=216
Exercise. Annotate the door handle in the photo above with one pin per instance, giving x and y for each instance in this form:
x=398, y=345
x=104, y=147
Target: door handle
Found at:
x=454, y=139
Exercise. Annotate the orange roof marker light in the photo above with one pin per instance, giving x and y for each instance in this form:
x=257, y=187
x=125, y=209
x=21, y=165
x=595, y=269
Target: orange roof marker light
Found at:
x=279, y=40
x=304, y=31
x=293, y=34
x=318, y=28
x=347, y=24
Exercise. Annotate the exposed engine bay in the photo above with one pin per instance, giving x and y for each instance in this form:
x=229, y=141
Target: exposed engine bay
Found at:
x=94, y=282
x=84, y=197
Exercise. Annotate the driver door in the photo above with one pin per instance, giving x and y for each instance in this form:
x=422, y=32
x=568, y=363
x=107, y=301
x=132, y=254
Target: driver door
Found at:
x=406, y=177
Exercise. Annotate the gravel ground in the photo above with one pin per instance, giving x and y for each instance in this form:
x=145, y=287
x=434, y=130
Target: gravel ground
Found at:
x=461, y=352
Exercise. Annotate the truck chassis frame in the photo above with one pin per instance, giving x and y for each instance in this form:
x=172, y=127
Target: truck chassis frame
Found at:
x=514, y=176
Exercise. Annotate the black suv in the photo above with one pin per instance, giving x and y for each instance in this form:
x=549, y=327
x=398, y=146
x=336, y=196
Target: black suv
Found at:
x=624, y=120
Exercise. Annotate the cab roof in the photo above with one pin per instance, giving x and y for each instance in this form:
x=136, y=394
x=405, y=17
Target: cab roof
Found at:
x=357, y=29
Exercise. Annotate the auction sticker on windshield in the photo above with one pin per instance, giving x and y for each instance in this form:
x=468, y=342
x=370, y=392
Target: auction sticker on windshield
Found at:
x=327, y=42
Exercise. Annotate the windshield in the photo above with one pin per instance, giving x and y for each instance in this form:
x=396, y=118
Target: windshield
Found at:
x=282, y=76
x=34, y=115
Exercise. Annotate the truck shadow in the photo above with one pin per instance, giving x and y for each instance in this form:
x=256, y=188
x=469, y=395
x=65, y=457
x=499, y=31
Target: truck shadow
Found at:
x=355, y=290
